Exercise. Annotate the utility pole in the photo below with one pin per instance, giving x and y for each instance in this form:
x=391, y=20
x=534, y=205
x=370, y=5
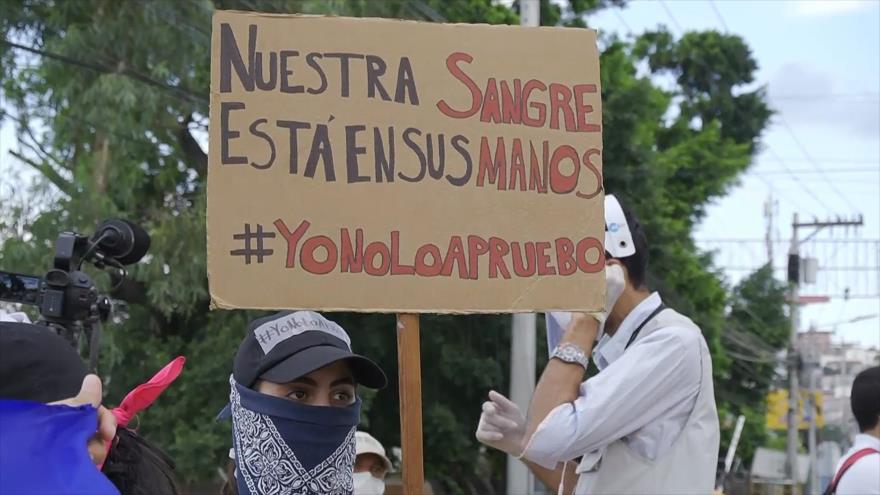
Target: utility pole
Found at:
x=813, y=411
x=768, y=235
x=523, y=343
x=793, y=280
x=794, y=358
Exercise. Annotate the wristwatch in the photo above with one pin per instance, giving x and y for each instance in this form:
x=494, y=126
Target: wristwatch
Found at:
x=572, y=354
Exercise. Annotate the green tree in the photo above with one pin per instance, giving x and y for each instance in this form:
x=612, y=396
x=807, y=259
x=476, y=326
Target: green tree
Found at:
x=109, y=100
x=757, y=328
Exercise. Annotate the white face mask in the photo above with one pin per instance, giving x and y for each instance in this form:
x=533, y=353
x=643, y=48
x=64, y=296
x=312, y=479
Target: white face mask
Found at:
x=366, y=484
x=615, y=283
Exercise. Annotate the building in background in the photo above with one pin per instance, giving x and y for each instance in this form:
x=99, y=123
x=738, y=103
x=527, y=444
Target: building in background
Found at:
x=836, y=365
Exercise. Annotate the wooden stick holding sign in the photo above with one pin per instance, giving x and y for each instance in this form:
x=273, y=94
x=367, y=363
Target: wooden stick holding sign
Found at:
x=409, y=363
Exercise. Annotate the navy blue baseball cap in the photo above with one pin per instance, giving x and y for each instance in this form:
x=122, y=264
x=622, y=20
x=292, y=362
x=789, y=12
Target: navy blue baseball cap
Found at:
x=285, y=346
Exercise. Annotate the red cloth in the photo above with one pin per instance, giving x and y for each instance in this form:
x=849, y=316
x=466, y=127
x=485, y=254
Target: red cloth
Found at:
x=142, y=396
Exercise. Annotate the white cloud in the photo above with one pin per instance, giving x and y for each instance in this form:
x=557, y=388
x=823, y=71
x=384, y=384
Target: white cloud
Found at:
x=814, y=8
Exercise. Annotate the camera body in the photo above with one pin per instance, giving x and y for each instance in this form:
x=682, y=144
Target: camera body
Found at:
x=68, y=299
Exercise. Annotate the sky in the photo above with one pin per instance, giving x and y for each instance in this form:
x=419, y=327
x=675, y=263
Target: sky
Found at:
x=820, y=62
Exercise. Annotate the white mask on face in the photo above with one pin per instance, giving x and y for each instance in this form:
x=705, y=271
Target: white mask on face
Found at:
x=366, y=484
x=557, y=321
x=615, y=283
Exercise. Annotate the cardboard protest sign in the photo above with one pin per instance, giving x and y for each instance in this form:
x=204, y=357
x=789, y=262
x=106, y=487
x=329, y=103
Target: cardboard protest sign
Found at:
x=382, y=165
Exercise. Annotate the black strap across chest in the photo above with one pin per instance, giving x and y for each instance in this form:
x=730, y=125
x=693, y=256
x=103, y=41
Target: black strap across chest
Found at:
x=638, y=329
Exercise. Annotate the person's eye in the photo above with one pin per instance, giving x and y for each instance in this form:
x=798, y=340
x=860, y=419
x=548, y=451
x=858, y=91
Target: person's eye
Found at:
x=298, y=395
x=343, y=396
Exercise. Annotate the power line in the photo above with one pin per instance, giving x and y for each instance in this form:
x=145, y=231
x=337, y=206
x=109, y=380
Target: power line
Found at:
x=785, y=166
x=785, y=123
x=748, y=340
x=769, y=185
x=774, y=190
x=849, y=161
x=671, y=17
x=866, y=170
x=819, y=96
x=857, y=96
x=813, y=162
x=795, y=177
x=718, y=15
x=798, y=180
x=849, y=268
x=784, y=243
x=622, y=21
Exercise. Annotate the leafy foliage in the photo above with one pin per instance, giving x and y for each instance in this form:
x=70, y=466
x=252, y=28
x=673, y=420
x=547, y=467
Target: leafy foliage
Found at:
x=108, y=117
x=757, y=329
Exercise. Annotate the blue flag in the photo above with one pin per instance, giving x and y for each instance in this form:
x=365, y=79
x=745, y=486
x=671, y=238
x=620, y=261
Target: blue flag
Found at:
x=43, y=450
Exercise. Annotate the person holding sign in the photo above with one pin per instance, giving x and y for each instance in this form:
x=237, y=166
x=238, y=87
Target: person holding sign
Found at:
x=647, y=422
x=294, y=406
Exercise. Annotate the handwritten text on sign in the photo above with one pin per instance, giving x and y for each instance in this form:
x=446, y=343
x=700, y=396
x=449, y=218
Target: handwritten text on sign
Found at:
x=387, y=165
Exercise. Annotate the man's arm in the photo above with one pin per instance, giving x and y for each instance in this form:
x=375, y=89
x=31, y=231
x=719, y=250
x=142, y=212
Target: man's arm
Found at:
x=660, y=372
x=502, y=425
x=560, y=381
x=553, y=477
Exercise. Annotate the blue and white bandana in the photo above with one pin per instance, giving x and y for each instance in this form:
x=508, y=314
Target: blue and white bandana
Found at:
x=285, y=448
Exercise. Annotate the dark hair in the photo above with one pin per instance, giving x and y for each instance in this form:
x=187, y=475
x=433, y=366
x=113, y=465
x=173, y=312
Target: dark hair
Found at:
x=138, y=467
x=637, y=264
x=865, y=398
x=230, y=487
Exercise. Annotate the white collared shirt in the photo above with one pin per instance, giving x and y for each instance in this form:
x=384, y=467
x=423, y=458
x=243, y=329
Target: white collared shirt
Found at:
x=611, y=347
x=863, y=477
x=644, y=395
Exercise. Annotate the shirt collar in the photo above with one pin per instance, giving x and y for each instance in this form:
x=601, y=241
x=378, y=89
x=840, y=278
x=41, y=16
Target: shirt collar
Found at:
x=863, y=440
x=611, y=347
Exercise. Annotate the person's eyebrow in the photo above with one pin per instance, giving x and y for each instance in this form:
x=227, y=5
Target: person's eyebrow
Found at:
x=344, y=381
x=304, y=380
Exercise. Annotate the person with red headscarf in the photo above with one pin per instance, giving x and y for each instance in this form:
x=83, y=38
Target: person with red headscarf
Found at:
x=55, y=437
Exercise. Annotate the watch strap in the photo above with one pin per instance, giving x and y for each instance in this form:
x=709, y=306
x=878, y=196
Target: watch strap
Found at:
x=572, y=354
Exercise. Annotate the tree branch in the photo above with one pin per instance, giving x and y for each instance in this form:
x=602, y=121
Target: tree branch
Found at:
x=47, y=155
x=50, y=173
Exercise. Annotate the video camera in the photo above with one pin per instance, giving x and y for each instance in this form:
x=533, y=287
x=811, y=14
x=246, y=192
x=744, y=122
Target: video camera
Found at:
x=68, y=299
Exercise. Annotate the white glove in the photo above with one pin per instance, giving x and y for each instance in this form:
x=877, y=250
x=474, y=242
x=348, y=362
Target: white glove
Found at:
x=557, y=321
x=502, y=425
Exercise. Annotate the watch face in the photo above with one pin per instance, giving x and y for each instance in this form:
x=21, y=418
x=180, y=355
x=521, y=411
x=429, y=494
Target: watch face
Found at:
x=571, y=354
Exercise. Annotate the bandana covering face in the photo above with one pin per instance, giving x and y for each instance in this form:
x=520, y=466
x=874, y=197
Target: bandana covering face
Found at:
x=285, y=448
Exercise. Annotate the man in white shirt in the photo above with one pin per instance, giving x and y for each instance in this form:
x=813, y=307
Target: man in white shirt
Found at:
x=647, y=422
x=858, y=472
